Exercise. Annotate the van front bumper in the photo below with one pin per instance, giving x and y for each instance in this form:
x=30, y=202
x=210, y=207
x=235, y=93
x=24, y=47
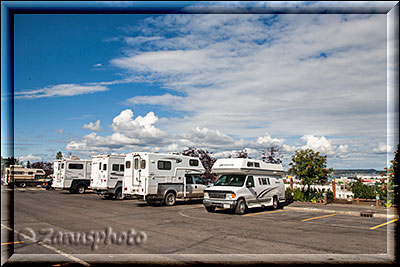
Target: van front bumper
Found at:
x=219, y=203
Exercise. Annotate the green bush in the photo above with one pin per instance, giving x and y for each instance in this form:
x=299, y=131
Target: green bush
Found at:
x=312, y=195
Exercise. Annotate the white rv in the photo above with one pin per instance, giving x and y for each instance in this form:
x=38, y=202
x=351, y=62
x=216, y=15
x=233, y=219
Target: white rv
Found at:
x=72, y=174
x=163, y=177
x=245, y=183
x=106, y=176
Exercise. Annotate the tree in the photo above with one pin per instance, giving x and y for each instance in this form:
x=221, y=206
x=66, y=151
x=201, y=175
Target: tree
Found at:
x=205, y=158
x=241, y=154
x=271, y=155
x=310, y=167
x=393, y=176
x=59, y=155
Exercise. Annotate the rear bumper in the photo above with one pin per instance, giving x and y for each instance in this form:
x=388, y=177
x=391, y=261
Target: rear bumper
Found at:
x=220, y=203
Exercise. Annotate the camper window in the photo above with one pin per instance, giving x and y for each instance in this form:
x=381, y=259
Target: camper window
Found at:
x=115, y=167
x=143, y=164
x=256, y=164
x=249, y=164
x=104, y=167
x=30, y=173
x=128, y=164
x=75, y=166
x=164, y=165
x=62, y=165
x=100, y=166
x=136, y=163
x=121, y=167
x=193, y=162
x=16, y=172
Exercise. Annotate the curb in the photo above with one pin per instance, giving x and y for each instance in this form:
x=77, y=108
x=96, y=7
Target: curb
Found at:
x=352, y=213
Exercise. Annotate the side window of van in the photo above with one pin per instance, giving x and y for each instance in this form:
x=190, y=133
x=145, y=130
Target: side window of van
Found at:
x=121, y=167
x=250, y=181
x=104, y=167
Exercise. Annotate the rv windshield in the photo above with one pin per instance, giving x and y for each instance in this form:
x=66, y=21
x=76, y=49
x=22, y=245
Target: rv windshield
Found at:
x=231, y=180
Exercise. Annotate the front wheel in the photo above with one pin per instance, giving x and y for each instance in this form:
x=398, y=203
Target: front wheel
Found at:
x=240, y=207
x=170, y=199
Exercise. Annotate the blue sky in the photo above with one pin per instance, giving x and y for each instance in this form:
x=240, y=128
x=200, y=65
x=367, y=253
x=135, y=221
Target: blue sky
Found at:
x=89, y=84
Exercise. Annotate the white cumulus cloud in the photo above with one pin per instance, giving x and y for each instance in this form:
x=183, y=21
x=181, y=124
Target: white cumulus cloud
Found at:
x=95, y=127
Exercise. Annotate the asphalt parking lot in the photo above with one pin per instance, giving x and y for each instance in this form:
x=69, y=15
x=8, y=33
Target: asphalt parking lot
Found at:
x=186, y=230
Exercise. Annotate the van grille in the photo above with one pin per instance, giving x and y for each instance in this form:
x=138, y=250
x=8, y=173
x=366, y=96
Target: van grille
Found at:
x=218, y=194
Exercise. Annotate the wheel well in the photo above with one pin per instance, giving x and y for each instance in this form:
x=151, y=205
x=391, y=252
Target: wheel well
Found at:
x=245, y=202
x=170, y=191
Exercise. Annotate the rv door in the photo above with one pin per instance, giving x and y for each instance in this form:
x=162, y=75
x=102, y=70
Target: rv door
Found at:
x=136, y=170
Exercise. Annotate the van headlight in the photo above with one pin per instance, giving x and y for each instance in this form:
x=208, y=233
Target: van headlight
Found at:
x=230, y=196
x=206, y=195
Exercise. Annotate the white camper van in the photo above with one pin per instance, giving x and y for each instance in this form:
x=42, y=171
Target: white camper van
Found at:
x=106, y=176
x=245, y=183
x=163, y=177
x=72, y=174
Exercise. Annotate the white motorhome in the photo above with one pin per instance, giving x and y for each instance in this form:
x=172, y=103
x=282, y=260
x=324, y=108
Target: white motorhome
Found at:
x=72, y=174
x=245, y=183
x=107, y=174
x=163, y=177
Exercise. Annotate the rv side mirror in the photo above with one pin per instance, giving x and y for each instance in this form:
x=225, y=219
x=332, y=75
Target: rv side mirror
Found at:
x=248, y=184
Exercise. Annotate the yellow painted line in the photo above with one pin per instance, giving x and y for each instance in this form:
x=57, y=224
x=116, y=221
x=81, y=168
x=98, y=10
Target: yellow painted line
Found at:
x=314, y=218
x=265, y=212
x=383, y=224
x=9, y=243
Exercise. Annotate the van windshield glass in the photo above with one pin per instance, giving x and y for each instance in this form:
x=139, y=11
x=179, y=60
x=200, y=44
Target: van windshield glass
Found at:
x=230, y=180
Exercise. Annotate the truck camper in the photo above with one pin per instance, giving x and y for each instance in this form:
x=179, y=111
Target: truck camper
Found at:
x=72, y=174
x=245, y=183
x=163, y=177
x=107, y=174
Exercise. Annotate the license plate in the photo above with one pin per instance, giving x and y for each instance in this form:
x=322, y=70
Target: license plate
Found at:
x=227, y=206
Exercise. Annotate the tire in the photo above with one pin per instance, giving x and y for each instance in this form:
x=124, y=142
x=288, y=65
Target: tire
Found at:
x=210, y=209
x=118, y=194
x=275, y=203
x=240, y=207
x=80, y=189
x=170, y=199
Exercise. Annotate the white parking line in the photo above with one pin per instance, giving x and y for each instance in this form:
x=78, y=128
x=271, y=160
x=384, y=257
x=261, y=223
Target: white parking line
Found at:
x=69, y=256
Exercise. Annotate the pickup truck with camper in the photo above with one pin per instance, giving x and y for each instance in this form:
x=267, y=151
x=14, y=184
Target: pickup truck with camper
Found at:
x=21, y=176
x=72, y=174
x=245, y=183
x=107, y=174
x=163, y=177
